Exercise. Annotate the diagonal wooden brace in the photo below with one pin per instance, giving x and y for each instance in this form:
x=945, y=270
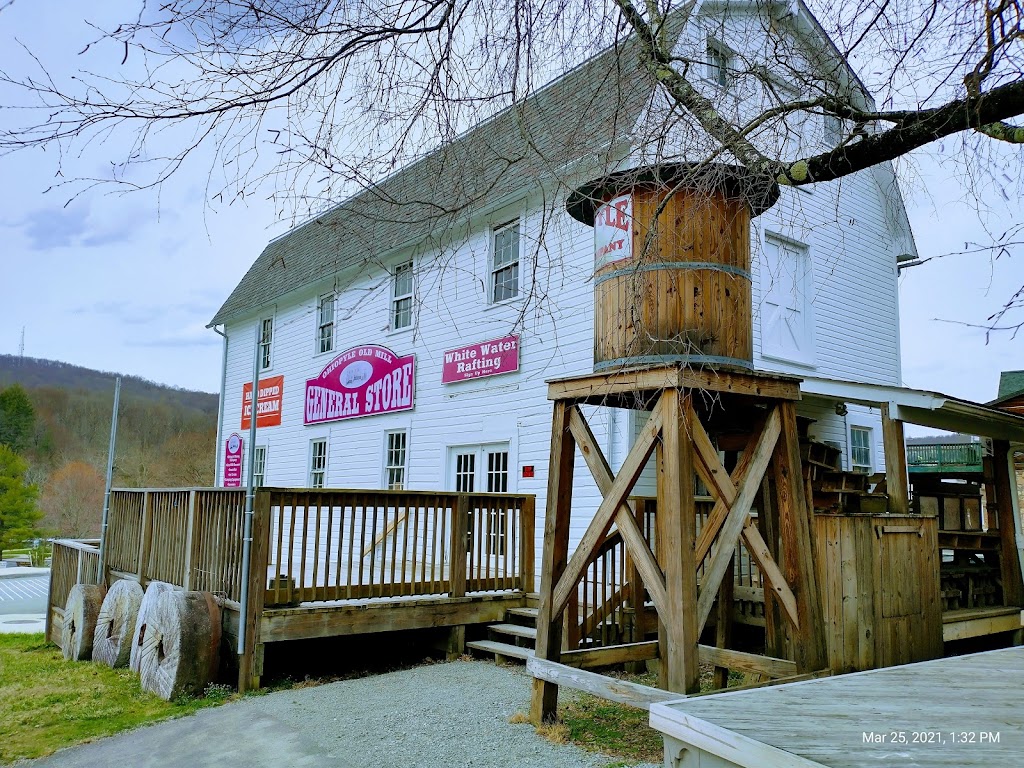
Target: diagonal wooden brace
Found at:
x=770, y=570
x=739, y=513
x=625, y=516
x=616, y=496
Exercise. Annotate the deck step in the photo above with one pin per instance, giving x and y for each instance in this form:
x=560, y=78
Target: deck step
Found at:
x=500, y=649
x=529, y=613
x=517, y=630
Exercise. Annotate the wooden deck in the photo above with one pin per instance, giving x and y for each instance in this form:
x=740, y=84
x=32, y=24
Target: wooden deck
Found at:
x=962, y=711
x=324, y=563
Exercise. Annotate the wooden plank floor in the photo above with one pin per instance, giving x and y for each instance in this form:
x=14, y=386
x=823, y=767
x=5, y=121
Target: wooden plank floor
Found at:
x=961, y=711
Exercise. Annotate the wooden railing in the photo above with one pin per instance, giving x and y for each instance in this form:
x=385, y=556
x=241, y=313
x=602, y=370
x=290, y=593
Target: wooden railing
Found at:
x=189, y=537
x=945, y=457
x=609, y=610
x=339, y=545
x=72, y=562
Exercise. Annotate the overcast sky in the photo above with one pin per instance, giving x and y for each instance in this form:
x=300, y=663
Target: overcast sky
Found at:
x=128, y=282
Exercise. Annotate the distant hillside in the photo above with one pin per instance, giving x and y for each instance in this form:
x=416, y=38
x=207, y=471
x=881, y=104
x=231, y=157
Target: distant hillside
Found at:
x=32, y=372
x=166, y=437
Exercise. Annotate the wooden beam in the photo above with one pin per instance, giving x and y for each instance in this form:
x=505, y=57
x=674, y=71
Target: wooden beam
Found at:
x=617, y=494
x=738, y=515
x=544, y=697
x=747, y=662
x=190, y=525
x=249, y=666
x=527, y=543
x=610, y=688
x=457, y=579
x=625, y=516
x=895, y=449
x=598, y=387
x=587, y=658
x=677, y=526
x=306, y=622
x=721, y=509
x=707, y=463
x=1009, y=560
x=145, y=535
x=795, y=522
x=723, y=621
x=760, y=554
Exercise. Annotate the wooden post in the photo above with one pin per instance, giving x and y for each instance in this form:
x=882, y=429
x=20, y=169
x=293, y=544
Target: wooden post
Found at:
x=768, y=524
x=795, y=523
x=145, y=534
x=1009, y=561
x=456, y=642
x=677, y=517
x=190, y=525
x=527, y=544
x=250, y=664
x=895, y=463
x=723, y=620
x=460, y=531
x=544, y=699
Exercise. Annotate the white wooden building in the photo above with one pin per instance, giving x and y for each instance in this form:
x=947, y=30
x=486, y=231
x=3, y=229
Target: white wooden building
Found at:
x=472, y=244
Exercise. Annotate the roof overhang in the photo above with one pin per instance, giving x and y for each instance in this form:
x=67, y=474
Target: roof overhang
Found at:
x=916, y=406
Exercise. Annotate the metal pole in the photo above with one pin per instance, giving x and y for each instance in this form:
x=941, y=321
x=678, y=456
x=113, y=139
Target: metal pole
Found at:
x=249, y=493
x=110, y=478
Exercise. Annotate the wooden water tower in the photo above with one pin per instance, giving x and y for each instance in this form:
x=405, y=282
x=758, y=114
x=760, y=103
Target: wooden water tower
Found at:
x=672, y=326
x=672, y=265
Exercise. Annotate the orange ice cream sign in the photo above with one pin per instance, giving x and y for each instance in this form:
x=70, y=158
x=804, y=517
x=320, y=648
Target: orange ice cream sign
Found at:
x=268, y=404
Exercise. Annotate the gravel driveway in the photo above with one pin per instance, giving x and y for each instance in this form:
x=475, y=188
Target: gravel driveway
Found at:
x=439, y=715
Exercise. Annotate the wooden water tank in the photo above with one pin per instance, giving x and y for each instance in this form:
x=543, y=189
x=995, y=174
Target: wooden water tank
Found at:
x=672, y=265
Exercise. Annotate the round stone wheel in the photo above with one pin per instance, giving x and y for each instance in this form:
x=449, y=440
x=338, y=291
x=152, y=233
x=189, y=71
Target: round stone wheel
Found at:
x=153, y=592
x=112, y=638
x=80, y=613
x=179, y=654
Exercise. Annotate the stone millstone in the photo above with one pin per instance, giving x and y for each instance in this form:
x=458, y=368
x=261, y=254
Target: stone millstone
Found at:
x=80, y=614
x=179, y=653
x=153, y=592
x=112, y=638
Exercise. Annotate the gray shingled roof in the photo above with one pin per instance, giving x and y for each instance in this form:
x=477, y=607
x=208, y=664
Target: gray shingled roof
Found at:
x=1011, y=384
x=583, y=114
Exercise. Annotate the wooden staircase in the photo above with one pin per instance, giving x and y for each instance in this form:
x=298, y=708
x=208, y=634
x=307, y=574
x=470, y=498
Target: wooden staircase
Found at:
x=513, y=638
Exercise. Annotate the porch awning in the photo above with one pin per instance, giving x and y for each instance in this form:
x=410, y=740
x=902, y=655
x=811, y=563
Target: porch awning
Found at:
x=916, y=406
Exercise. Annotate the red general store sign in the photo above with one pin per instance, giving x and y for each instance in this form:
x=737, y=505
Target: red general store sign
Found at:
x=268, y=404
x=488, y=358
x=361, y=381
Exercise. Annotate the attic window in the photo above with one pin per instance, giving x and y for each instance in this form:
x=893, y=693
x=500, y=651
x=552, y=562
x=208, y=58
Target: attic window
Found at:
x=401, y=296
x=833, y=130
x=719, y=61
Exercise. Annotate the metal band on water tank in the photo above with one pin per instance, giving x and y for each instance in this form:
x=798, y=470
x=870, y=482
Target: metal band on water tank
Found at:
x=693, y=360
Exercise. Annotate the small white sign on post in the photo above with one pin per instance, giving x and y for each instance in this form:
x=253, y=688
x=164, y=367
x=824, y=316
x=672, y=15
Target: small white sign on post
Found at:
x=613, y=231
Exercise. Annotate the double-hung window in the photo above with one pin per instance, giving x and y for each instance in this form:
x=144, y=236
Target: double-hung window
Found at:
x=860, y=450
x=401, y=296
x=395, y=460
x=325, y=324
x=505, y=262
x=719, y=61
x=318, y=463
x=266, y=342
x=259, y=466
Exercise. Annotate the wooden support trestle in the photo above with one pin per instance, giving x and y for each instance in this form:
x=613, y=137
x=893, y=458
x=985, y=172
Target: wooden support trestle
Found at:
x=676, y=434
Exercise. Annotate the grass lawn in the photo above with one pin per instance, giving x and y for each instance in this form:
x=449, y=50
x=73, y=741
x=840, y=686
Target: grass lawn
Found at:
x=47, y=703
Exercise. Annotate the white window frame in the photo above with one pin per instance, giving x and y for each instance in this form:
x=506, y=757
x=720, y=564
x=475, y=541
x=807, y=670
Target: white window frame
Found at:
x=869, y=467
x=482, y=471
x=833, y=129
x=718, y=58
x=515, y=263
x=266, y=344
x=393, y=468
x=397, y=299
x=259, y=467
x=806, y=355
x=314, y=469
x=330, y=325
